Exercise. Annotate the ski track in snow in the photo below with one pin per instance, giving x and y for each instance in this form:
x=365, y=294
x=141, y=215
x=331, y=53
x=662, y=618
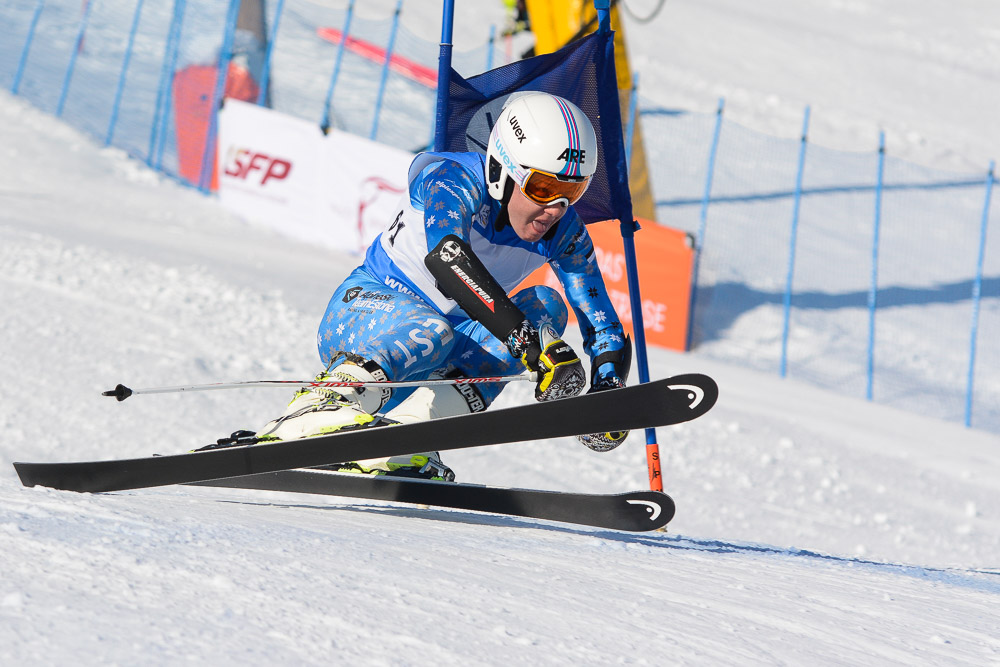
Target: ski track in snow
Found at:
x=811, y=527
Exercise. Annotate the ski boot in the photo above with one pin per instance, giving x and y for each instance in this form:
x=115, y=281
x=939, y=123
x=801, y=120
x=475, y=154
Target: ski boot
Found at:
x=421, y=466
x=321, y=410
x=424, y=404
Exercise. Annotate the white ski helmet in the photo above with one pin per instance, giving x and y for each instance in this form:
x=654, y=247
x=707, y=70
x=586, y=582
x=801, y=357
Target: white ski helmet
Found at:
x=545, y=145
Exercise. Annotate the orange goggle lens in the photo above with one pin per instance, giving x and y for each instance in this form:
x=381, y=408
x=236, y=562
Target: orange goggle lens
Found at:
x=542, y=187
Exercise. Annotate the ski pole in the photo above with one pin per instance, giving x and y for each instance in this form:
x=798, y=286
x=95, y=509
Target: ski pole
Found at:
x=121, y=392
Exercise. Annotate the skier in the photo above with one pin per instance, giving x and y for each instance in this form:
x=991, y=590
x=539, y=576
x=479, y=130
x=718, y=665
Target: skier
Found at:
x=517, y=19
x=431, y=297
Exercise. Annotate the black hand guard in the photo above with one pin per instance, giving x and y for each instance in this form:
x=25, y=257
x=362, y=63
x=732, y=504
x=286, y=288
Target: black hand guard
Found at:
x=560, y=371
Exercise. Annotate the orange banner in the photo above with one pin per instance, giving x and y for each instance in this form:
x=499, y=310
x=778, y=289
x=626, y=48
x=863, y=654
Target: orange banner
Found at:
x=664, y=258
x=194, y=87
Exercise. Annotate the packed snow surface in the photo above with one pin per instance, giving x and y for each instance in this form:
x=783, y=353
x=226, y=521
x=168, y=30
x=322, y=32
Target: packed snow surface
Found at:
x=811, y=527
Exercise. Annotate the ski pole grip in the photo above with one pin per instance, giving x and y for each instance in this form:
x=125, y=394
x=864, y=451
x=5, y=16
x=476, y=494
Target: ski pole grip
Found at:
x=121, y=392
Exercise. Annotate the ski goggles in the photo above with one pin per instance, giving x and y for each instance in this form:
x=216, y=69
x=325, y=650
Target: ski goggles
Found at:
x=545, y=188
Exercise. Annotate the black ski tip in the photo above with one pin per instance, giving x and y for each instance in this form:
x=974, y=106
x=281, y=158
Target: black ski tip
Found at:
x=121, y=392
x=24, y=474
x=647, y=510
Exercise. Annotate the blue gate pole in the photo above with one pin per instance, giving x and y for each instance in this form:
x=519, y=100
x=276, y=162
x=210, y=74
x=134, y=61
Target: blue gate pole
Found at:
x=444, y=76
x=225, y=57
x=873, y=290
x=77, y=47
x=265, y=75
x=977, y=288
x=121, y=77
x=385, y=70
x=628, y=229
x=489, y=48
x=792, y=243
x=628, y=239
x=161, y=113
x=324, y=123
x=23, y=60
x=703, y=221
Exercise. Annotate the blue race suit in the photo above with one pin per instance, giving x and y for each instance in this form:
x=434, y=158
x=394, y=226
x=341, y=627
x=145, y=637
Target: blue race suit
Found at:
x=390, y=311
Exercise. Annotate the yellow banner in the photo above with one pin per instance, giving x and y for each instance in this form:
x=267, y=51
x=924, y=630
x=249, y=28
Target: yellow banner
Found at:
x=555, y=23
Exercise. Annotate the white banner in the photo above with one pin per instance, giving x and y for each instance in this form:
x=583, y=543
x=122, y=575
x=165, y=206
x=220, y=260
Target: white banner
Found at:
x=338, y=190
x=269, y=168
x=364, y=181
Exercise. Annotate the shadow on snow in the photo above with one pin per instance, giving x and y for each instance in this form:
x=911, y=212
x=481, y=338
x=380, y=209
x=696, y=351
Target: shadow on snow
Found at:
x=718, y=306
x=965, y=578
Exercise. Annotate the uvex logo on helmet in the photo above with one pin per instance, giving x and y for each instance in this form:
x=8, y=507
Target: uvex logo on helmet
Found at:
x=573, y=155
x=518, y=132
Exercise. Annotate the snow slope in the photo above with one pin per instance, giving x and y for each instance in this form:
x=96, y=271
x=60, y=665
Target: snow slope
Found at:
x=811, y=527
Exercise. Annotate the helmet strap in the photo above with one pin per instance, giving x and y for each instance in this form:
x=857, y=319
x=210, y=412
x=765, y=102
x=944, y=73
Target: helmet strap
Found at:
x=503, y=217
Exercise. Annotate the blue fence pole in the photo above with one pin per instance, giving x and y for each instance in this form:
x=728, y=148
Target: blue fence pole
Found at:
x=633, y=103
x=977, y=288
x=168, y=92
x=792, y=242
x=225, y=57
x=873, y=290
x=77, y=47
x=170, y=67
x=121, y=77
x=444, y=73
x=703, y=220
x=23, y=60
x=265, y=75
x=324, y=123
x=160, y=113
x=489, y=48
x=385, y=70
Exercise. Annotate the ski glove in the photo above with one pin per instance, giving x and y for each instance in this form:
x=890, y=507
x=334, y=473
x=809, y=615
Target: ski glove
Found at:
x=605, y=442
x=560, y=371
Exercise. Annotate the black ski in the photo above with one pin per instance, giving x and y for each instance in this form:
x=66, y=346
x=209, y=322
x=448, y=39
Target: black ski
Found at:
x=670, y=401
x=634, y=511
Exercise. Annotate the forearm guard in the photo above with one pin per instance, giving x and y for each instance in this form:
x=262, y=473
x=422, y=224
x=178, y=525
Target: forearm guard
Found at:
x=463, y=277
